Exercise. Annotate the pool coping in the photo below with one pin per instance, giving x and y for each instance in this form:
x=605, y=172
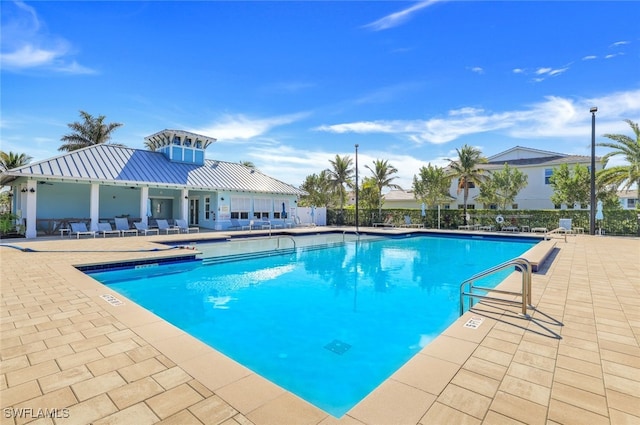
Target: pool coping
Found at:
x=416, y=391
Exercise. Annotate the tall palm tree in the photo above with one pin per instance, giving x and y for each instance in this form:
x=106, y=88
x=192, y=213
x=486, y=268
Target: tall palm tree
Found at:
x=9, y=160
x=622, y=176
x=383, y=175
x=339, y=176
x=92, y=131
x=465, y=169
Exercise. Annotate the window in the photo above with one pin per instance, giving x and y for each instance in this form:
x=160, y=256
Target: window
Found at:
x=262, y=207
x=240, y=208
x=631, y=203
x=514, y=206
x=207, y=208
x=176, y=140
x=469, y=207
x=493, y=207
x=278, y=208
x=187, y=142
x=547, y=173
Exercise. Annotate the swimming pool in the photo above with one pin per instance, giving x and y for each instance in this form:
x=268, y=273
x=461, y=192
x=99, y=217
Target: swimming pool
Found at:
x=328, y=322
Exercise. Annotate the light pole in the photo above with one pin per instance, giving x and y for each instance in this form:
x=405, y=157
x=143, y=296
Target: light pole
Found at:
x=592, y=207
x=356, y=188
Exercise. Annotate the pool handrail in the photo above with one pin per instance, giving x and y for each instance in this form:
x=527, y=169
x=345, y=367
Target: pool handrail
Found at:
x=522, y=264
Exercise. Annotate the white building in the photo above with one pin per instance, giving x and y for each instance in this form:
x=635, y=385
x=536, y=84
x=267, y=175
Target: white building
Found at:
x=537, y=165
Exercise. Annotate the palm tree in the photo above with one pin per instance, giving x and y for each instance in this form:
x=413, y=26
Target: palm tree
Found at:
x=92, y=131
x=622, y=176
x=466, y=170
x=383, y=175
x=340, y=176
x=9, y=160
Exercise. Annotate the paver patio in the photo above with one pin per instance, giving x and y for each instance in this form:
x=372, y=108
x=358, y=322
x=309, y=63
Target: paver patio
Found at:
x=70, y=357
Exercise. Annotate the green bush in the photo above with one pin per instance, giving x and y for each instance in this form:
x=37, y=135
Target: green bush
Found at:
x=615, y=222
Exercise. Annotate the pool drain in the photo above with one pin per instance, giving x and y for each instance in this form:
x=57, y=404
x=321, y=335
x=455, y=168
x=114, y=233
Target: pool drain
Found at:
x=337, y=346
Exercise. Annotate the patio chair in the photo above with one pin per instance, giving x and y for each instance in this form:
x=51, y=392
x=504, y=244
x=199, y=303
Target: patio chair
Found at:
x=144, y=228
x=409, y=223
x=184, y=227
x=387, y=222
x=122, y=224
x=164, y=226
x=565, y=223
x=105, y=229
x=79, y=229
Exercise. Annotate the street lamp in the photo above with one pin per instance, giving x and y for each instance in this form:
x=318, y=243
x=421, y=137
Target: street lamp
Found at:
x=592, y=209
x=356, y=188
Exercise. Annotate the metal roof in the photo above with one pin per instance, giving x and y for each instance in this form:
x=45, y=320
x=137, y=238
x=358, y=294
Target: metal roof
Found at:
x=106, y=163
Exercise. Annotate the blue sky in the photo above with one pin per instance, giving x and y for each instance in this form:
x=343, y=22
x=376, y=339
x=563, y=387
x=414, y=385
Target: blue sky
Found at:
x=288, y=85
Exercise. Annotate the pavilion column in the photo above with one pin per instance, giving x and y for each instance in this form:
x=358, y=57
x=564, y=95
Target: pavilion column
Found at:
x=144, y=200
x=184, y=200
x=31, y=231
x=94, y=209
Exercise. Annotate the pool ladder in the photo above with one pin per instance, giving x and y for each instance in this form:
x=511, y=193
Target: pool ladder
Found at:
x=467, y=287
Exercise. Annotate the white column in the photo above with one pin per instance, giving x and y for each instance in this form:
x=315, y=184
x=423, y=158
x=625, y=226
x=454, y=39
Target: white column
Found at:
x=94, y=209
x=144, y=196
x=184, y=199
x=32, y=187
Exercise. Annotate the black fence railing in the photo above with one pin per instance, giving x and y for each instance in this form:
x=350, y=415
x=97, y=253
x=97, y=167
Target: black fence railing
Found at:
x=615, y=222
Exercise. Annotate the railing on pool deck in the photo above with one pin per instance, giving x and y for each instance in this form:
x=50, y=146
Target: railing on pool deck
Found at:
x=522, y=264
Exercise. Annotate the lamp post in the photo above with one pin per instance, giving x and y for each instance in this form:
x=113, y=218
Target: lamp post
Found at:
x=356, y=187
x=592, y=207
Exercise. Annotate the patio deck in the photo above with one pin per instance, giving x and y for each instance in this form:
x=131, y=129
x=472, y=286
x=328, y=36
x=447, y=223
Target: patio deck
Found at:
x=65, y=349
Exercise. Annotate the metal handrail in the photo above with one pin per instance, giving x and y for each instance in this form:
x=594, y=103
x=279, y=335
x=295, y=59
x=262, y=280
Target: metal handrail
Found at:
x=521, y=263
x=288, y=237
x=556, y=231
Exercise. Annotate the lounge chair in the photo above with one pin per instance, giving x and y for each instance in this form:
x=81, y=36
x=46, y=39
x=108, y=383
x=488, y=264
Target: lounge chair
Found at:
x=144, y=229
x=409, y=223
x=387, y=222
x=565, y=223
x=184, y=227
x=163, y=225
x=105, y=229
x=122, y=224
x=79, y=229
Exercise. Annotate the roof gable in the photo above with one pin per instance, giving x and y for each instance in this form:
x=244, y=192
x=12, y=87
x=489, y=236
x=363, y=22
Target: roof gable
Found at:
x=520, y=152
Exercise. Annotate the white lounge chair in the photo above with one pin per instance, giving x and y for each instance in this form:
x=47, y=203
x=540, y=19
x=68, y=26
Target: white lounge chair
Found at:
x=565, y=223
x=387, y=222
x=164, y=226
x=184, y=227
x=79, y=229
x=122, y=224
x=409, y=223
x=105, y=229
x=144, y=228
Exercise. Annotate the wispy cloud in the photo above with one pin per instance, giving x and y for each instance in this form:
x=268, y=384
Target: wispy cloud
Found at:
x=619, y=43
x=26, y=44
x=241, y=127
x=399, y=18
x=589, y=57
x=387, y=93
x=477, y=69
x=553, y=117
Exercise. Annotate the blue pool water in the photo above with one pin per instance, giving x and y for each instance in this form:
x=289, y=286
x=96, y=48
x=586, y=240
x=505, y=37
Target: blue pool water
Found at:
x=327, y=324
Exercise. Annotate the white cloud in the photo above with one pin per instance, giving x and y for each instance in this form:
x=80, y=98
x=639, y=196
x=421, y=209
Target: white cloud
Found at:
x=619, y=43
x=518, y=71
x=399, y=18
x=590, y=57
x=241, y=127
x=26, y=44
x=551, y=118
x=477, y=70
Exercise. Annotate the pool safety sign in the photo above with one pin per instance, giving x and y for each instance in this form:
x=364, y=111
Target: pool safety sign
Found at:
x=473, y=323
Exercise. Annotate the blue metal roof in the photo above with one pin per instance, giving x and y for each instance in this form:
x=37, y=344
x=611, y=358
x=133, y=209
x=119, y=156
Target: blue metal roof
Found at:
x=113, y=164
